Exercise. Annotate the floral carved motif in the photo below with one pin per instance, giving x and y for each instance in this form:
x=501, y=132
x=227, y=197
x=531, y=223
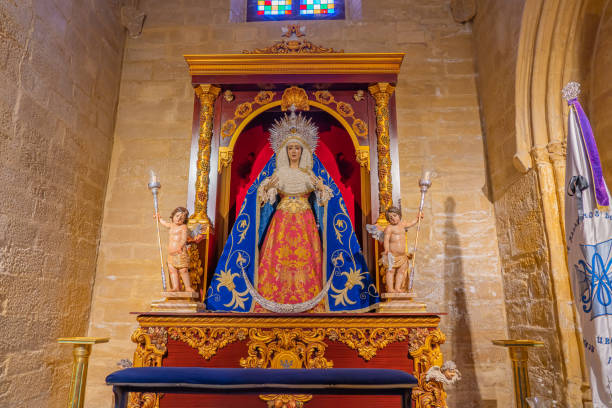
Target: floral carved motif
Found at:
x=367, y=341
x=207, y=340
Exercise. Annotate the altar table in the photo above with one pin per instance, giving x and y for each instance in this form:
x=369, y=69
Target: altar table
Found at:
x=408, y=342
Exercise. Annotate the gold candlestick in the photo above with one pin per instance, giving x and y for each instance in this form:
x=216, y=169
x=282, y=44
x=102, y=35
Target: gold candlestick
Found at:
x=80, y=352
x=518, y=354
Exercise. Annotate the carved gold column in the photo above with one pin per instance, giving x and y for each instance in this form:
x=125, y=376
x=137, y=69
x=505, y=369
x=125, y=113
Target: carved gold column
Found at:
x=80, y=352
x=207, y=94
x=382, y=92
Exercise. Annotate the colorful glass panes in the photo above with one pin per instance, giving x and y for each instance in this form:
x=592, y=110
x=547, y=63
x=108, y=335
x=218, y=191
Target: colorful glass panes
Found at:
x=273, y=7
x=317, y=7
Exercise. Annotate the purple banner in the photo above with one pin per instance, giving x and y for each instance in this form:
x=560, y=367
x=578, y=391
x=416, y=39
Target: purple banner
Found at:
x=599, y=185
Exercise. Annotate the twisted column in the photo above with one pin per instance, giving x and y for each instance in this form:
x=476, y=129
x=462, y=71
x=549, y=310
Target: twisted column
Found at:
x=207, y=94
x=382, y=92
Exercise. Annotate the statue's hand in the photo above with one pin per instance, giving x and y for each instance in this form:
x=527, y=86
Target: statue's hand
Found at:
x=317, y=182
x=273, y=181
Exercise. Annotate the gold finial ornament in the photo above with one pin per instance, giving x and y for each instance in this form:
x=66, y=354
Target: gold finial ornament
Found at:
x=207, y=94
x=382, y=92
x=295, y=96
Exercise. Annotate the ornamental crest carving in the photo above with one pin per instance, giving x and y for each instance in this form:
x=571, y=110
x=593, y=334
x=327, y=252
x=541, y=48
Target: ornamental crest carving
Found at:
x=292, y=43
x=286, y=348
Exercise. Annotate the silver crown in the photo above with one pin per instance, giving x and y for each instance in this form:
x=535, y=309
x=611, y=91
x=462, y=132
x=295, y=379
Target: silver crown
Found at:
x=293, y=127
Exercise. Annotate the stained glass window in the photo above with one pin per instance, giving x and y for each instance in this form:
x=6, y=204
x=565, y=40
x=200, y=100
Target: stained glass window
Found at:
x=273, y=7
x=317, y=7
x=262, y=10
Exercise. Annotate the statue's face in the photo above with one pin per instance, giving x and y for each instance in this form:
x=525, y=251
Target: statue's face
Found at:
x=394, y=219
x=294, y=151
x=179, y=218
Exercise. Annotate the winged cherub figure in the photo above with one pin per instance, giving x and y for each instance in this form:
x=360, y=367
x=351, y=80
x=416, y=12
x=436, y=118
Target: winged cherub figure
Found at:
x=395, y=255
x=448, y=374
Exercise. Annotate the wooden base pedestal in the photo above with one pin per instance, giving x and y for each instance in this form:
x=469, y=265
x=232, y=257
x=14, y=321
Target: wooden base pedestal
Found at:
x=400, y=303
x=186, y=302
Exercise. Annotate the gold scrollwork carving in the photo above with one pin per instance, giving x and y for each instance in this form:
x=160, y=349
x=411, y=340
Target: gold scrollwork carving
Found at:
x=151, y=347
x=225, y=157
x=295, y=96
x=207, y=95
x=285, y=400
x=207, y=340
x=243, y=110
x=382, y=92
x=367, y=341
x=195, y=267
x=286, y=348
x=428, y=394
x=363, y=156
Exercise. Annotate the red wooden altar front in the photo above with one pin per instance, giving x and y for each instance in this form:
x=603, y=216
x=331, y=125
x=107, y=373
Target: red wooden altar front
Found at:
x=408, y=342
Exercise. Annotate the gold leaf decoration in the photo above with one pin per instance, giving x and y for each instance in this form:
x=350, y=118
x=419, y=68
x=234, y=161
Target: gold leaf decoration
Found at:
x=367, y=341
x=207, y=340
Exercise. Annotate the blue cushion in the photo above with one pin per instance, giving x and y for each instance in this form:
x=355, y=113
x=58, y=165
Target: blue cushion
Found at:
x=376, y=378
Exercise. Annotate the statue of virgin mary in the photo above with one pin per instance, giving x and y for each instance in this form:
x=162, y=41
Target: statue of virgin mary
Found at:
x=292, y=247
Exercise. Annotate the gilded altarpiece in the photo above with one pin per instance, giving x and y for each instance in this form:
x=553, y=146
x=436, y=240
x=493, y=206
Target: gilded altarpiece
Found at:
x=236, y=97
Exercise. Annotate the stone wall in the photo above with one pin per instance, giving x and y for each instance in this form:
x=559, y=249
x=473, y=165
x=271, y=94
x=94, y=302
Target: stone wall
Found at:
x=600, y=104
x=523, y=248
x=439, y=124
x=60, y=65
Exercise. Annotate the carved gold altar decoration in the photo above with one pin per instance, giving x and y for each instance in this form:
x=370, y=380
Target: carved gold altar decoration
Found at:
x=196, y=272
x=293, y=45
x=286, y=348
x=382, y=92
x=243, y=110
x=207, y=340
x=295, y=96
x=428, y=394
x=367, y=341
x=285, y=400
x=345, y=109
x=207, y=94
x=150, y=349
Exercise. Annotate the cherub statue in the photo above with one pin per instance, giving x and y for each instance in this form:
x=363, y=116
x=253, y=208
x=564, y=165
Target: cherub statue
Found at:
x=178, y=256
x=448, y=374
x=395, y=255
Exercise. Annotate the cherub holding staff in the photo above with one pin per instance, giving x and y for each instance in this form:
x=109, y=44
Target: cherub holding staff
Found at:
x=178, y=256
x=395, y=256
